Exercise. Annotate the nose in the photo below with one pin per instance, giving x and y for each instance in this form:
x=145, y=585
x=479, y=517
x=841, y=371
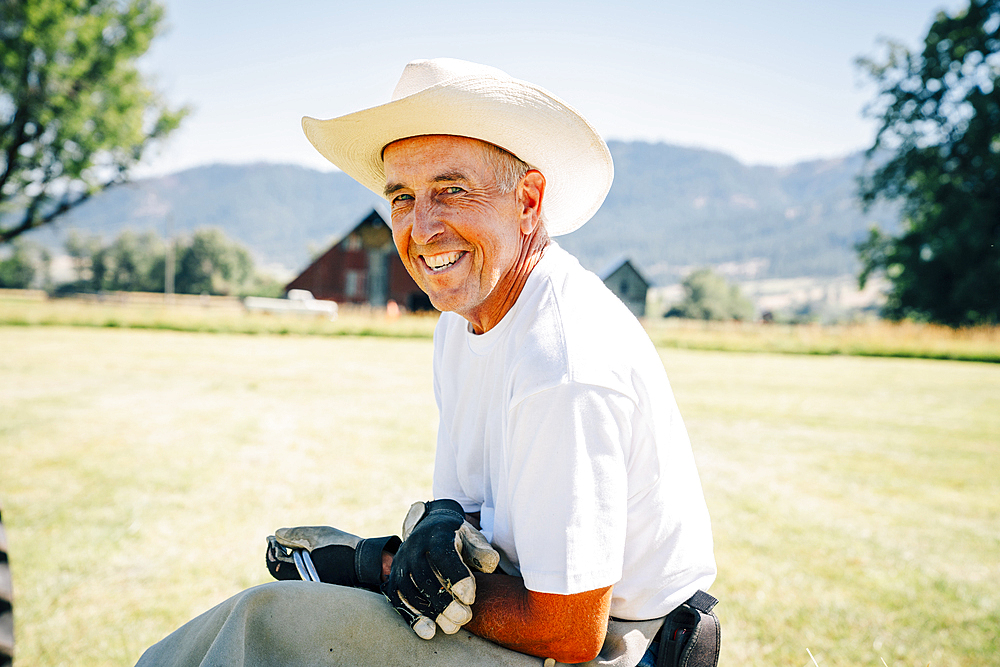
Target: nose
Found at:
x=426, y=224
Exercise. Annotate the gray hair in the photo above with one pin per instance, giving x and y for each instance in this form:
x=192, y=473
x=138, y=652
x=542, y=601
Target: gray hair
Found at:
x=508, y=169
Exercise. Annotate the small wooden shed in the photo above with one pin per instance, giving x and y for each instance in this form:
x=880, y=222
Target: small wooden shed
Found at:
x=628, y=284
x=363, y=267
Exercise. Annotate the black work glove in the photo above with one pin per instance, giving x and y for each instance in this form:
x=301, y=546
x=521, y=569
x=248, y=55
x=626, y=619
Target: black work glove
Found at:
x=339, y=557
x=430, y=582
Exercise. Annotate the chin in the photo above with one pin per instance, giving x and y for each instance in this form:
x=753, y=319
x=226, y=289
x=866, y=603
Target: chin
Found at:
x=446, y=306
x=450, y=303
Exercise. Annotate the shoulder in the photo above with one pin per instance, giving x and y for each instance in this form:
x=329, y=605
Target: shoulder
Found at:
x=572, y=328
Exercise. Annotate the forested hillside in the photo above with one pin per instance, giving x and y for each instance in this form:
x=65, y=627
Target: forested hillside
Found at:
x=670, y=209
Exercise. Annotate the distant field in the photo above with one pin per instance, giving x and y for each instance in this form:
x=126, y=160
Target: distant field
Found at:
x=854, y=500
x=226, y=315
x=868, y=339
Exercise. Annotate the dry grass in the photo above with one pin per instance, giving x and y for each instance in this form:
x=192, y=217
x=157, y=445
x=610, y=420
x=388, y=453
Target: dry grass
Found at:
x=853, y=500
x=226, y=315
x=869, y=339
x=200, y=314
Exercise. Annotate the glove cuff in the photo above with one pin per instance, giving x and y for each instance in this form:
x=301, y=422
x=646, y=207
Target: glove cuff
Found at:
x=368, y=560
x=443, y=505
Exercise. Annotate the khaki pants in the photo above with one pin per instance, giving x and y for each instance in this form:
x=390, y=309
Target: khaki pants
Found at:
x=299, y=624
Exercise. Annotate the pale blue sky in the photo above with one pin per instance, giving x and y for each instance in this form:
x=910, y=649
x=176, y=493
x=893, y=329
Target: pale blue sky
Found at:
x=769, y=82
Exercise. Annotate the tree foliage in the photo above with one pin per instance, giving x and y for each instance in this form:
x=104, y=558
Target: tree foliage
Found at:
x=939, y=114
x=207, y=262
x=211, y=264
x=75, y=113
x=707, y=296
x=24, y=264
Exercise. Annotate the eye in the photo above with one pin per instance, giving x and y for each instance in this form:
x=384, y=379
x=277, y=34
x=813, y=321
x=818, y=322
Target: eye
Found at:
x=401, y=199
x=453, y=190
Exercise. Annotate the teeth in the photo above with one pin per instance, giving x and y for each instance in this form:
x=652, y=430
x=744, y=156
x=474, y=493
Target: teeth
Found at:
x=437, y=262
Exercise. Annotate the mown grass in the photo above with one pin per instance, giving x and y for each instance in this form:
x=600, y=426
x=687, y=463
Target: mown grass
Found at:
x=854, y=505
x=853, y=499
x=226, y=315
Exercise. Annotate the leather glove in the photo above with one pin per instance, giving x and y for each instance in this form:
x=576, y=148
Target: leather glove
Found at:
x=339, y=557
x=430, y=581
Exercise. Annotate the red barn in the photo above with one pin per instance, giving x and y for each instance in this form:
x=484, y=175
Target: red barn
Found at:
x=363, y=267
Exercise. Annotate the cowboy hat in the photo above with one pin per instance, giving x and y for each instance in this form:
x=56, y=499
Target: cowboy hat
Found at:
x=448, y=96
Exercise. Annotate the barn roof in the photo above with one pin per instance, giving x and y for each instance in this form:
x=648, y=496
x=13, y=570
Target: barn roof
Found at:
x=380, y=209
x=618, y=263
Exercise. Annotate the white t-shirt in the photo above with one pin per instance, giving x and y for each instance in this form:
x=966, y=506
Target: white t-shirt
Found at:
x=560, y=427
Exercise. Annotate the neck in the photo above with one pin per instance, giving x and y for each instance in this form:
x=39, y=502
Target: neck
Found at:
x=531, y=251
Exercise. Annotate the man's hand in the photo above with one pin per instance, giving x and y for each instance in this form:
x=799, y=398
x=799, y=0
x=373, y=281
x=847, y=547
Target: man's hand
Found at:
x=430, y=581
x=339, y=557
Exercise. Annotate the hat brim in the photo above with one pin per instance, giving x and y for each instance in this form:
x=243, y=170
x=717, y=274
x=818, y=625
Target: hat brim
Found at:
x=519, y=117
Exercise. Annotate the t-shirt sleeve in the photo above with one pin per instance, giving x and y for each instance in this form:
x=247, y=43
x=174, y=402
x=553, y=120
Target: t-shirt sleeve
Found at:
x=568, y=505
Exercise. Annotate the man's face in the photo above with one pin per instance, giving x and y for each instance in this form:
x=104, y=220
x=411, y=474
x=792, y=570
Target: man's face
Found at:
x=457, y=234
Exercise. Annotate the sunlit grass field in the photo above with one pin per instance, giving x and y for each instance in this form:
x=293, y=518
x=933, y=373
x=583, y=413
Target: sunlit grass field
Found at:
x=854, y=500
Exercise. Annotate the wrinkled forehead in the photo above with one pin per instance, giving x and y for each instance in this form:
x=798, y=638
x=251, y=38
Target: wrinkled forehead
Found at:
x=422, y=160
x=439, y=142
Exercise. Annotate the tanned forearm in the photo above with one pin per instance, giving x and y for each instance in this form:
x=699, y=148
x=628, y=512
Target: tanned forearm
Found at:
x=569, y=628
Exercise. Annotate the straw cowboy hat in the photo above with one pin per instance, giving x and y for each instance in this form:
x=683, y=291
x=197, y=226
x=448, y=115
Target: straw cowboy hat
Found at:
x=447, y=96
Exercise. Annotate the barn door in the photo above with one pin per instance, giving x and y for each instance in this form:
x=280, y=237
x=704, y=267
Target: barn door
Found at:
x=378, y=276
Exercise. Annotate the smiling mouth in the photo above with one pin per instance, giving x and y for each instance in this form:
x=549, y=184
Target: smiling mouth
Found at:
x=442, y=261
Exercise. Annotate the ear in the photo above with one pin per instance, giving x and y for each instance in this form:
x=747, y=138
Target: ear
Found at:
x=530, y=191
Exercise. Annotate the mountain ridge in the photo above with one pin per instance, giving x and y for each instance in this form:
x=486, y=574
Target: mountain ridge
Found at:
x=671, y=208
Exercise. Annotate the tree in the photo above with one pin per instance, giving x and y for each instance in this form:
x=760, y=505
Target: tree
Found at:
x=75, y=113
x=82, y=250
x=24, y=263
x=939, y=137
x=212, y=264
x=707, y=296
x=207, y=262
x=135, y=263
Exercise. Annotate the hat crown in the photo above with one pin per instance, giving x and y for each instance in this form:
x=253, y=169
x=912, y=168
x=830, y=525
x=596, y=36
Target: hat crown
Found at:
x=446, y=96
x=419, y=75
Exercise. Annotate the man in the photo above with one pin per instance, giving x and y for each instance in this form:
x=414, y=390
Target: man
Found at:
x=559, y=437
